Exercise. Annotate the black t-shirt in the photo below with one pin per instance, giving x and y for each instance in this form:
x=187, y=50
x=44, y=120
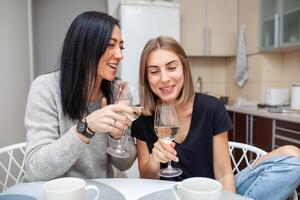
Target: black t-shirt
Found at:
x=195, y=153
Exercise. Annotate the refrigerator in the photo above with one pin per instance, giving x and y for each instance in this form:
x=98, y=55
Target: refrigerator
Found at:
x=141, y=21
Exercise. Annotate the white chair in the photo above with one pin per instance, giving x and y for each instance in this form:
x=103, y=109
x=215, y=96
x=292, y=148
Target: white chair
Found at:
x=12, y=163
x=242, y=155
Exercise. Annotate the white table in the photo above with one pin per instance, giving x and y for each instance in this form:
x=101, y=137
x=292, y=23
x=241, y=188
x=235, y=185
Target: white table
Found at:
x=136, y=188
x=131, y=189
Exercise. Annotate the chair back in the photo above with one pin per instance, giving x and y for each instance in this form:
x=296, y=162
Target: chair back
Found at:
x=12, y=165
x=242, y=155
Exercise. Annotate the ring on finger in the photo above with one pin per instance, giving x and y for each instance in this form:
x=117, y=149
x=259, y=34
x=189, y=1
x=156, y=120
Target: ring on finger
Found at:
x=114, y=124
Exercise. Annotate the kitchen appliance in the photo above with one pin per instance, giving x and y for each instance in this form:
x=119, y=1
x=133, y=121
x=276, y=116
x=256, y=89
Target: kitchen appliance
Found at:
x=277, y=96
x=295, y=96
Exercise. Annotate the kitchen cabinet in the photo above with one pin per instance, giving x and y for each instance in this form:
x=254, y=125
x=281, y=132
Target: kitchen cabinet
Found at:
x=253, y=130
x=248, y=15
x=291, y=22
x=208, y=27
x=287, y=133
x=280, y=24
x=261, y=130
x=241, y=128
x=230, y=133
x=240, y=133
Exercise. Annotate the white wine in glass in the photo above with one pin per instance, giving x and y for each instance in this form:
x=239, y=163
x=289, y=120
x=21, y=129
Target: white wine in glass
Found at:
x=136, y=115
x=119, y=151
x=166, y=127
x=167, y=133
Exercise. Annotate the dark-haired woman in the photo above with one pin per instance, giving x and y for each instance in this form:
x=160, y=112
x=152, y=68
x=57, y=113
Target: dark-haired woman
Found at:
x=70, y=116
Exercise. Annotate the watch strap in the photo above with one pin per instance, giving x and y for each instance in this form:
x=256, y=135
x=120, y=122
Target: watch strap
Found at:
x=88, y=128
x=85, y=131
x=88, y=135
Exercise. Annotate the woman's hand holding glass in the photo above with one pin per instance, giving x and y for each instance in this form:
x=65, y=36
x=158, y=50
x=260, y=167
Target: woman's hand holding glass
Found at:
x=163, y=152
x=119, y=151
x=110, y=119
x=166, y=126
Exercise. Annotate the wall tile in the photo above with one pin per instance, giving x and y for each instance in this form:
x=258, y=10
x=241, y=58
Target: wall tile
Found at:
x=231, y=91
x=207, y=88
x=251, y=91
x=201, y=67
x=255, y=68
x=218, y=70
x=272, y=67
x=230, y=70
x=219, y=89
x=265, y=71
x=291, y=69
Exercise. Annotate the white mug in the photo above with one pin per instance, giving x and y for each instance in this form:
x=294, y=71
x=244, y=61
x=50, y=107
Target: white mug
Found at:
x=67, y=188
x=197, y=188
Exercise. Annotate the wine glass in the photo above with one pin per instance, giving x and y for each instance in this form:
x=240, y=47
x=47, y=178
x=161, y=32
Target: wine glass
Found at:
x=119, y=151
x=166, y=126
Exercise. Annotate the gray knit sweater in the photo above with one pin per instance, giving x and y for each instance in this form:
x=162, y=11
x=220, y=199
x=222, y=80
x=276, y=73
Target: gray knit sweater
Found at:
x=53, y=150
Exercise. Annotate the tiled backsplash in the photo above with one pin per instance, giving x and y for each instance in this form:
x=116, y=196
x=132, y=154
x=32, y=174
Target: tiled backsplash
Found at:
x=265, y=71
x=212, y=72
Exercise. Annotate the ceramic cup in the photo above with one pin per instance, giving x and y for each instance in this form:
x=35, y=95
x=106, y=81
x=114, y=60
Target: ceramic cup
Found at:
x=67, y=188
x=197, y=188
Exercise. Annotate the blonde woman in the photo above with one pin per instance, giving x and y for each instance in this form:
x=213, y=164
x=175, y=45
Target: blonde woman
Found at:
x=201, y=146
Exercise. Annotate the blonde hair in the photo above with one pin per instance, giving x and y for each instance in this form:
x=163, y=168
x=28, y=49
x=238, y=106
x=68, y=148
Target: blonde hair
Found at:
x=147, y=97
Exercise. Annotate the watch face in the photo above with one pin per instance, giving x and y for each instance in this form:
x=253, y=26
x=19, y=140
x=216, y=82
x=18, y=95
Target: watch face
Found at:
x=81, y=126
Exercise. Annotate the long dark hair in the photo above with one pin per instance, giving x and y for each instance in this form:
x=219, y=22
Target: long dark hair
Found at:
x=84, y=45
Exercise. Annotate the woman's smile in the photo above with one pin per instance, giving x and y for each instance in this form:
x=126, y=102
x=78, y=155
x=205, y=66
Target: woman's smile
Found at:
x=167, y=89
x=165, y=74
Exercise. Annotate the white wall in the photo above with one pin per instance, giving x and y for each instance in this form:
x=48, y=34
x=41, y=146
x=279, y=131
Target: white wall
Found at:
x=51, y=19
x=14, y=66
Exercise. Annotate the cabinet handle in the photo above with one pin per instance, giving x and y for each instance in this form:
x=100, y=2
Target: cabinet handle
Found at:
x=276, y=30
x=209, y=41
x=247, y=129
x=251, y=119
x=205, y=29
x=205, y=43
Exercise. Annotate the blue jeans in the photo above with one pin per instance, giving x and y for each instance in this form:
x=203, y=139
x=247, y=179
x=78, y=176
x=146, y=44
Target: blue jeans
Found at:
x=273, y=179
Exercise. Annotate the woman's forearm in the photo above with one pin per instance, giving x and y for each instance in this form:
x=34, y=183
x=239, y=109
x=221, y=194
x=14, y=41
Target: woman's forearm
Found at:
x=48, y=159
x=150, y=168
x=227, y=182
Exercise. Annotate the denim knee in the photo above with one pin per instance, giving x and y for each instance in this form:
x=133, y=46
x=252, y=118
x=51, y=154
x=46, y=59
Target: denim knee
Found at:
x=274, y=178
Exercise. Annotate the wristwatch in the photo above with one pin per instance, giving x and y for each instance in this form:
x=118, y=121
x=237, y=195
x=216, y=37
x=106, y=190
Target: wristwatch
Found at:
x=83, y=129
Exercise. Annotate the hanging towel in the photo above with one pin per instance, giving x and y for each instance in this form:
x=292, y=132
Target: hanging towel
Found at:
x=241, y=68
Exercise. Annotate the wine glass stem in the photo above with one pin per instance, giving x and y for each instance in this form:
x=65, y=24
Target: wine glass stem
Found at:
x=120, y=141
x=169, y=164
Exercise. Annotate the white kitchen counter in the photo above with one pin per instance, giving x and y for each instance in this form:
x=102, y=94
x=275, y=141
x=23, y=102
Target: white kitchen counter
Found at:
x=263, y=112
